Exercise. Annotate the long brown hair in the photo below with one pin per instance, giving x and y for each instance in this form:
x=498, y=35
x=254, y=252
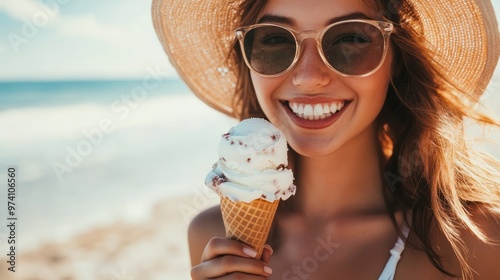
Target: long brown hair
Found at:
x=245, y=104
x=430, y=170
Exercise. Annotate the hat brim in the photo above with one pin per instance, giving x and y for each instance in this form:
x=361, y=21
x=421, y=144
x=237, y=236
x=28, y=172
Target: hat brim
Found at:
x=197, y=36
x=464, y=36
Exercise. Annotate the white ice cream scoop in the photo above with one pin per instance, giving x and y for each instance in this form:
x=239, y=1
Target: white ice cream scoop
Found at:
x=252, y=163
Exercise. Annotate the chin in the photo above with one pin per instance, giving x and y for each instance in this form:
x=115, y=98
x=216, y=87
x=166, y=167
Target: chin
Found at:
x=314, y=147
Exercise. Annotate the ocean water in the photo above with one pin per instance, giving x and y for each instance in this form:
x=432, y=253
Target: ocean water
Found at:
x=91, y=152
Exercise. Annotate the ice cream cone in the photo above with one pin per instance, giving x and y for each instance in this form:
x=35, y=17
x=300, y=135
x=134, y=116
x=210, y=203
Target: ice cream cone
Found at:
x=248, y=222
x=252, y=170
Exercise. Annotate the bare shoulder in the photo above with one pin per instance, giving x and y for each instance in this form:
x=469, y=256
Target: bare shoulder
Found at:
x=483, y=257
x=202, y=228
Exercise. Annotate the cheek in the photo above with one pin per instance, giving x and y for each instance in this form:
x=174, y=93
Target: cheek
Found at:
x=372, y=104
x=263, y=89
x=372, y=91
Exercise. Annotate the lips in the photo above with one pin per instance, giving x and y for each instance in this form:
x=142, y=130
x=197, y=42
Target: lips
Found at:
x=315, y=115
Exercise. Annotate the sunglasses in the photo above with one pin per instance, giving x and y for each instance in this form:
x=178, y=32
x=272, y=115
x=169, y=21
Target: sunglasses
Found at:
x=351, y=48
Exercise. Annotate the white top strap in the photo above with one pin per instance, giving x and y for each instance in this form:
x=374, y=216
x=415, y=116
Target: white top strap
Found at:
x=390, y=268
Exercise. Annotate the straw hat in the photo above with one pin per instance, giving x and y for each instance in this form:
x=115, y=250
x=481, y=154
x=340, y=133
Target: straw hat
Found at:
x=197, y=35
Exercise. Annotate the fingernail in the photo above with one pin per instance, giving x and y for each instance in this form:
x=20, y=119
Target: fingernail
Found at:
x=268, y=270
x=268, y=247
x=249, y=252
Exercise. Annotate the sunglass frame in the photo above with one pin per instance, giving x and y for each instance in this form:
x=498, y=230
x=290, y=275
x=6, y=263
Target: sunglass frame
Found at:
x=386, y=28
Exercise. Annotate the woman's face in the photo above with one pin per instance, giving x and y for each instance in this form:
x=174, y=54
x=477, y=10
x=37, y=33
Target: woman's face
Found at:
x=310, y=83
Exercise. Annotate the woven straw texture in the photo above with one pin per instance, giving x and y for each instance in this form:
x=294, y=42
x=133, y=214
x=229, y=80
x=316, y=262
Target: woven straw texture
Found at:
x=248, y=222
x=464, y=37
x=197, y=35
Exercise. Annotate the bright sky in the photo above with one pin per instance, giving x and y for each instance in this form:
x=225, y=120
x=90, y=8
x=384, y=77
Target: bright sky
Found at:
x=68, y=39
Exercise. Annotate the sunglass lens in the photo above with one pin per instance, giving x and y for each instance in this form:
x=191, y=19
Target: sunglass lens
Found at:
x=269, y=50
x=353, y=48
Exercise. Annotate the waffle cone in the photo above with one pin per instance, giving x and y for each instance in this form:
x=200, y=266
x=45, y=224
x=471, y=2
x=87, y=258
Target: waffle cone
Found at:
x=249, y=223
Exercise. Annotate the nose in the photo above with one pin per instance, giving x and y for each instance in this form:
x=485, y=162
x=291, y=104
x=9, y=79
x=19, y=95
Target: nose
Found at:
x=310, y=72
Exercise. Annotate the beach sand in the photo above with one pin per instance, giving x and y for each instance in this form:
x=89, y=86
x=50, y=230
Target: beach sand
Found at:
x=155, y=248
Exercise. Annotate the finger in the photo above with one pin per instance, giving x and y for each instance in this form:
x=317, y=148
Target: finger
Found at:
x=224, y=246
x=266, y=254
x=238, y=275
x=229, y=265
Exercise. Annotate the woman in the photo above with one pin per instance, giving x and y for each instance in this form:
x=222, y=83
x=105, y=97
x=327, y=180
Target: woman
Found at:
x=373, y=112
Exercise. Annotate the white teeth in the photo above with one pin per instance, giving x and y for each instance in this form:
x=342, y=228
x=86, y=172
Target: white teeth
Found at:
x=301, y=109
x=308, y=110
x=333, y=107
x=317, y=111
x=340, y=106
x=326, y=109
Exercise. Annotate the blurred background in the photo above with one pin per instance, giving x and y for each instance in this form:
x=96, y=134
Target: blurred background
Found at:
x=110, y=147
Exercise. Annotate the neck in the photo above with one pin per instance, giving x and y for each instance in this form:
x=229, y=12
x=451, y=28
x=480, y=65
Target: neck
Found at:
x=346, y=182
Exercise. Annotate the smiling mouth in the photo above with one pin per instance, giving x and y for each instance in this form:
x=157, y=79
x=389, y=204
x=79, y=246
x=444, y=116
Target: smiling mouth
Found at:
x=317, y=111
